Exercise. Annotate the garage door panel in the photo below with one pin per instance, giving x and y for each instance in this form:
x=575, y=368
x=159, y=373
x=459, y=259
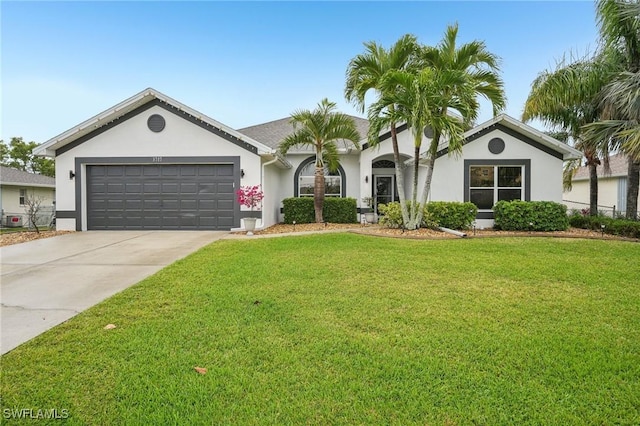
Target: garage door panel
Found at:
x=167, y=196
x=170, y=188
x=224, y=205
x=115, y=171
x=188, y=188
x=169, y=170
x=225, y=221
x=224, y=170
x=225, y=188
x=188, y=170
x=133, y=170
x=133, y=188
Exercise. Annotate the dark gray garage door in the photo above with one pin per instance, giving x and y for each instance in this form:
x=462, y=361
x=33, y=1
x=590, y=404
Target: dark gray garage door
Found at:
x=167, y=196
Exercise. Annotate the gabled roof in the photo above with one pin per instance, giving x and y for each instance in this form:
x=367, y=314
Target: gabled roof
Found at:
x=521, y=131
x=273, y=132
x=9, y=176
x=618, y=166
x=136, y=101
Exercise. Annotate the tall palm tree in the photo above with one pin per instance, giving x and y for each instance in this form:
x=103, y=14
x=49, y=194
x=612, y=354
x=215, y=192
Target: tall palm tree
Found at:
x=367, y=72
x=322, y=129
x=465, y=73
x=419, y=98
x=567, y=99
x=442, y=80
x=619, y=25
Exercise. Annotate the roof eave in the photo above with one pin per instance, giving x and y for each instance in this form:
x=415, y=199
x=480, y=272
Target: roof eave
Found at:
x=35, y=185
x=49, y=147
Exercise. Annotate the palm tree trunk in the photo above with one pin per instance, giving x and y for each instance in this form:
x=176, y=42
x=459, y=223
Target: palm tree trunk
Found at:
x=413, y=222
x=593, y=189
x=318, y=192
x=399, y=173
x=427, y=186
x=633, y=184
x=433, y=150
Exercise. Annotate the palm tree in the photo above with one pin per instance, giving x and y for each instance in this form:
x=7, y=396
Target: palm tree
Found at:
x=464, y=73
x=321, y=129
x=619, y=25
x=442, y=80
x=418, y=99
x=567, y=99
x=366, y=72
x=621, y=100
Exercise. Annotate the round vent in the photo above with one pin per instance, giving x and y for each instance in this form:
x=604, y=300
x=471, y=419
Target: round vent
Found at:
x=496, y=146
x=156, y=123
x=428, y=132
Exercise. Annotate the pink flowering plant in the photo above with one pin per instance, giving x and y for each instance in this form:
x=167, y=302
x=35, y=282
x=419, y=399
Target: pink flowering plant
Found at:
x=250, y=196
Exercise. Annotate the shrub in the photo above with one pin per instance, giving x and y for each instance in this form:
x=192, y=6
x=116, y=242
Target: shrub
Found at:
x=340, y=210
x=452, y=215
x=622, y=227
x=530, y=216
x=447, y=214
x=390, y=215
x=335, y=210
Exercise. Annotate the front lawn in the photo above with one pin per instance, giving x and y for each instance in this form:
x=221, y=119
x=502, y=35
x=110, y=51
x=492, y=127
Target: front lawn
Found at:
x=350, y=329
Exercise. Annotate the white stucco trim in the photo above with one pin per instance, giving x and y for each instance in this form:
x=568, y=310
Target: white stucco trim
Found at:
x=568, y=152
x=49, y=147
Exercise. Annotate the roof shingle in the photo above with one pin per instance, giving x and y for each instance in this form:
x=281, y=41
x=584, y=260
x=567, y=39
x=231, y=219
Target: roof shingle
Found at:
x=9, y=176
x=617, y=163
x=273, y=132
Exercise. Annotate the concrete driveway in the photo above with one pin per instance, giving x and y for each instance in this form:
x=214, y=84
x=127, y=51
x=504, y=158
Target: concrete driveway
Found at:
x=46, y=282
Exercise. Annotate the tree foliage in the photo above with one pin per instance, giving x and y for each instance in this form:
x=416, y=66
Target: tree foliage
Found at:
x=435, y=87
x=321, y=129
x=18, y=154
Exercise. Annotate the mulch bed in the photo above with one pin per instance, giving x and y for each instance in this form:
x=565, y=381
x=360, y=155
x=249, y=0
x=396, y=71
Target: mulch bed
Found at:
x=430, y=233
x=24, y=236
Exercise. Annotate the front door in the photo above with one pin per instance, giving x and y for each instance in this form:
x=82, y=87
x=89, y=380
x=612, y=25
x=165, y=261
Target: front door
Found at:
x=384, y=189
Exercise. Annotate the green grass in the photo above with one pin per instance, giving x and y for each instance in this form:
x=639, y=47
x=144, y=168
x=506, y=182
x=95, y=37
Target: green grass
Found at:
x=348, y=329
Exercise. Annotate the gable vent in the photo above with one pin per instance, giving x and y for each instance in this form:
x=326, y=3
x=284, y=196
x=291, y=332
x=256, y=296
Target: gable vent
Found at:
x=496, y=146
x=156, y=123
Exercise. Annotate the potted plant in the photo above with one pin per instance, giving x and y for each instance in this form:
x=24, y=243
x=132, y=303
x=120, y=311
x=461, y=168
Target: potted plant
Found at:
x=369, y=216
x=250, y=196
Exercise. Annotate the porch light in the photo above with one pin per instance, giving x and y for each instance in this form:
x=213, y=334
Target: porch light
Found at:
x=366, y=179
x=241, y=172
x=71, y=175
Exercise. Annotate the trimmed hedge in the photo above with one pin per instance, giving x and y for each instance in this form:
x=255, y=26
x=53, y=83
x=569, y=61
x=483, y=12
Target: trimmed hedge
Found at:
x=335, y=210
x=622, y=227
x=453, y=215
x=530, y=216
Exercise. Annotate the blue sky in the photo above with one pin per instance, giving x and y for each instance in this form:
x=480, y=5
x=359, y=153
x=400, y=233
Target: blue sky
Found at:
x=245, y=63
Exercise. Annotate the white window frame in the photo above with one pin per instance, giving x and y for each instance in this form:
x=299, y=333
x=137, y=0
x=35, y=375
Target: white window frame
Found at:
x=23, y=196
x=495, y=186
x=327, y=177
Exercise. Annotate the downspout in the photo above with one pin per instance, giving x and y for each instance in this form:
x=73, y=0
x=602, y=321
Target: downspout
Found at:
x=275, y=159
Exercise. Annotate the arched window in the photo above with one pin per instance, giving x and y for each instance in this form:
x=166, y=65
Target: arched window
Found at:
x=334, y=182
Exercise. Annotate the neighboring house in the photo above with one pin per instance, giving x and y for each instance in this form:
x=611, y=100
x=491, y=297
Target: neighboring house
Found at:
x=16, y=186
x=612, y=187
x=151, y=162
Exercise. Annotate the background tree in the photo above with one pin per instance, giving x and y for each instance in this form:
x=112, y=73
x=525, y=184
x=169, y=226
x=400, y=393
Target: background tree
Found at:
x=566, y=99
x=619, y=27
x=32, y=206
x=322, y=129
x=18, y=154
x=370, y=71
